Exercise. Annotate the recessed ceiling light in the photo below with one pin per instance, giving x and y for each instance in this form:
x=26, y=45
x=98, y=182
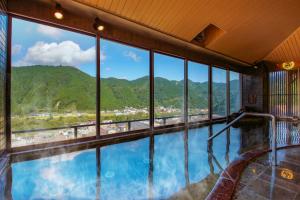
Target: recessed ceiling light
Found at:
x=58, y=13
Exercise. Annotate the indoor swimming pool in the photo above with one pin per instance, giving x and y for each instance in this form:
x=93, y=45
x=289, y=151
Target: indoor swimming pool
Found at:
x=164, y=166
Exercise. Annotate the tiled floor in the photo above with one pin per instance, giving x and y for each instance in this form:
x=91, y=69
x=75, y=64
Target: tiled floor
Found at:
x=261, y=181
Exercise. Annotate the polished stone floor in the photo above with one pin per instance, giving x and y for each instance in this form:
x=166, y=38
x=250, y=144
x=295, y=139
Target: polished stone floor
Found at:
x=261, y=181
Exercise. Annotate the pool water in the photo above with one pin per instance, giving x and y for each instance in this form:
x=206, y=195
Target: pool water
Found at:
x=165, y=166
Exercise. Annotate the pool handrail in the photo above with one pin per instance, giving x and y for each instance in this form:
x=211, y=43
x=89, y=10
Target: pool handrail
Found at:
x=274, y=132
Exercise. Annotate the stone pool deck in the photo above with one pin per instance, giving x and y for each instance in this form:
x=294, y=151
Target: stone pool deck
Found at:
x=252, y=176
x=260, y=181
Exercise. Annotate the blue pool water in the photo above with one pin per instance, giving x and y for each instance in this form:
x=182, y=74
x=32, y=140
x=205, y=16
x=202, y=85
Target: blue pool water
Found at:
x=125, y=170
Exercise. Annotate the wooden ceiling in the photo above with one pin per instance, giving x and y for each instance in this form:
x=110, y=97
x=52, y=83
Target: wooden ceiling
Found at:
x=288, y=50
x=252, y=28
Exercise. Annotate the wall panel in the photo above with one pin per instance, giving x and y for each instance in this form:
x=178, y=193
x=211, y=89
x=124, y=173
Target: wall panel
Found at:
x=284, y=93
x=252, y=95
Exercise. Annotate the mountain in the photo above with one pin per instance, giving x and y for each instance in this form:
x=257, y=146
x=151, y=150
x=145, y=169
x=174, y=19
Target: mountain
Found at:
x=51, y=89
x=118, y=93
x=65, y=89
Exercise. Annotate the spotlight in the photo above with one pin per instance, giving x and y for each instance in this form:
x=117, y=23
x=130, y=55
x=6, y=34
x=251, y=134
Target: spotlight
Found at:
x=98, y=25
x=58, y=13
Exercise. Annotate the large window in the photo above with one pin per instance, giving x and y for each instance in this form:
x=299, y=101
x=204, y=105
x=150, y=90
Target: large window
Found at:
x=124, y=87
x=3, y=57
x=235, y=92
x=53, y=84
x=219, y=92
x=168, y=89
x=53, y=87
x=197, y=91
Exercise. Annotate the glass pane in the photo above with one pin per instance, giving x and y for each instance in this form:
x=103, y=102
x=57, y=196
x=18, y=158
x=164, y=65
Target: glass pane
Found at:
x=198, y=91
x=168, y=90
x=124, y=88
x=235, y=94
x=3, y=57
x=53, y=84
x=218, y=92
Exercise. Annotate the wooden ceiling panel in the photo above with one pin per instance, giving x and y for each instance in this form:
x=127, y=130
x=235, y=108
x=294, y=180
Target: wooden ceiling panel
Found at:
x=288, y=50
x=253, y=28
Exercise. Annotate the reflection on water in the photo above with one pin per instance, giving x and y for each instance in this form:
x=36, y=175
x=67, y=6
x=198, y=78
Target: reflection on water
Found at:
x=124, y=170
x=176, y=165
x=168, y=173
x=70, y=177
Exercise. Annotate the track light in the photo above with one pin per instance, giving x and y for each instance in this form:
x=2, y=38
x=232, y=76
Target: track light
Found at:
x=58, y=13
x=98, y=24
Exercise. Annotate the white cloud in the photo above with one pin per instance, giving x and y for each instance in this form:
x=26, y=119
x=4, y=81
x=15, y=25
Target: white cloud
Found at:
x=16, y=49
x=64, y=53
x=102, y=55
x=132, y=55
x=49, y=31
x=107, y=68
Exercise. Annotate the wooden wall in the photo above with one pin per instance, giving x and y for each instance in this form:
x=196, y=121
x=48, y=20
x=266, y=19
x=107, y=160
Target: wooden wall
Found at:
x=255, y=90
x=284, y=87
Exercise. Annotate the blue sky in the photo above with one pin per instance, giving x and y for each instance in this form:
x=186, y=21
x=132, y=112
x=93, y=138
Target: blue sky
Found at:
x=218, y=75
x=34, y=44
x=168, y=67
x=123, y=61
x=234, y=75
x=197, y=72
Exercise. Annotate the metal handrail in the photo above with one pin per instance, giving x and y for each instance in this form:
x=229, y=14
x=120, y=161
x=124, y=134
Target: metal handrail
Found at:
x=274, y=132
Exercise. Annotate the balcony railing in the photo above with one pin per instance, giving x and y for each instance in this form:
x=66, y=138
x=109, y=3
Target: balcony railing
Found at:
x=128, y=122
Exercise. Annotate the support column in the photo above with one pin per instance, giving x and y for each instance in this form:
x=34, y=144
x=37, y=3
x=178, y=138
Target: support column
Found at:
x=8, y=87
x=186, y=110
x=98, y=87
x=227, y=93
x=151, y=107
x=210, y=98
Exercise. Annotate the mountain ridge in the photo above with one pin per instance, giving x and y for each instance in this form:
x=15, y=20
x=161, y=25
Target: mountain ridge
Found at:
x=37, y=89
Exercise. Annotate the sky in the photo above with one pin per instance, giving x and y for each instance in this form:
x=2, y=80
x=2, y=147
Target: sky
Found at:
x=197, y=72
x=123, y=61
x=218, y=75
x=37, y=44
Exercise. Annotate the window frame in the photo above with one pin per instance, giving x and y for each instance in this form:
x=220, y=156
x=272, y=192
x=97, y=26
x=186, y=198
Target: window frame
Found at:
x=128, y=134
x=227, y=93
x=184, y=114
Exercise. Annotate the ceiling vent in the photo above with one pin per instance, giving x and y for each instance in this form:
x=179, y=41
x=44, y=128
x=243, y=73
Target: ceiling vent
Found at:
x=208, y=35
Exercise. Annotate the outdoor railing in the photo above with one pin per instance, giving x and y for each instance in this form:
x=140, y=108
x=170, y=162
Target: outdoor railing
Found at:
x=128, y=122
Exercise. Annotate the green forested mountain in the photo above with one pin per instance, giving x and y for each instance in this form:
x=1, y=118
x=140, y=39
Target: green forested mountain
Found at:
x=51, y=89
x=65, y=89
